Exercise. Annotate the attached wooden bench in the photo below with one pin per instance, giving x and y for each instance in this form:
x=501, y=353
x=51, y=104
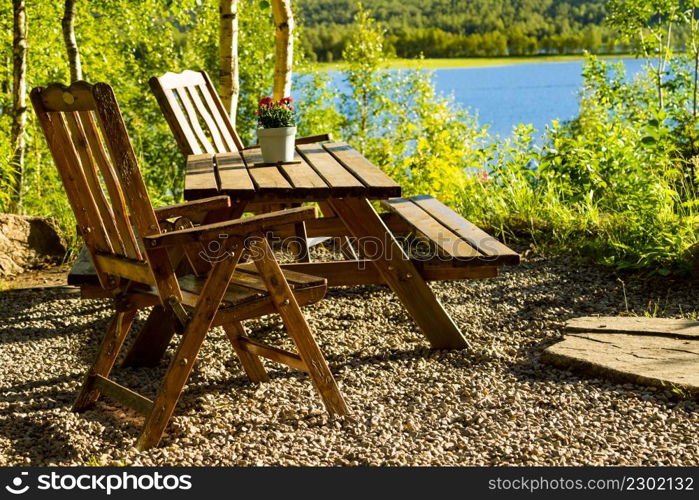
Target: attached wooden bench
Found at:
x=449, y=238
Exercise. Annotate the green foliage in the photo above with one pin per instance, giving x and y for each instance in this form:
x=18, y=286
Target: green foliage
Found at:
x=320, y=114
x=450, y=28
x=124, y=43
x=616, y=185
x=420, y=139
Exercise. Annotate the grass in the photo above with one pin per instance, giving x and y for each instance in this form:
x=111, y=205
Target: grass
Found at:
x=468, y=62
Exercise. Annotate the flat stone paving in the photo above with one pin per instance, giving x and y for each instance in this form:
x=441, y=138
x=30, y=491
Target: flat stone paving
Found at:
x=651, y=351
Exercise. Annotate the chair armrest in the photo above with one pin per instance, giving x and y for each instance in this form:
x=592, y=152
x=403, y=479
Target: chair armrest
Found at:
x=239, y=227
x=191, y=208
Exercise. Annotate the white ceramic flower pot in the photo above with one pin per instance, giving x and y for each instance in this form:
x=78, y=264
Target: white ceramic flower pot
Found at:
x=277, y=144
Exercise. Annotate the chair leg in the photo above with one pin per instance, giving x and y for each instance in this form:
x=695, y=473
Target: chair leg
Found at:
x=193, y=337
x=106, y=355
x=252, y=364
x=298, y=328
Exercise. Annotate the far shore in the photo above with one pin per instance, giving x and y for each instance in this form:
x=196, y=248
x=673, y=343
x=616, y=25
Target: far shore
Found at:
x=470, y=62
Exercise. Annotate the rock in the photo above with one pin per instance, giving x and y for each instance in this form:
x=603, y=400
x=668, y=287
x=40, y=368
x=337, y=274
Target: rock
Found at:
x=27, y=242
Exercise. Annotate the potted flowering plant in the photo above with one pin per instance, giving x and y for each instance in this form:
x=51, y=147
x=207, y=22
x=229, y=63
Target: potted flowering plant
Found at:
x=276, y=130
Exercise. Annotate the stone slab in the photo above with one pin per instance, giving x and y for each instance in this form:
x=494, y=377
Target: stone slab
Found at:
x=665, y=327
x=667, y=359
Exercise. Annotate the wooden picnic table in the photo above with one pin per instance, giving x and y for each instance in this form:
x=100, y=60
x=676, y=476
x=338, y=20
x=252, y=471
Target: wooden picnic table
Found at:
x=342, y=182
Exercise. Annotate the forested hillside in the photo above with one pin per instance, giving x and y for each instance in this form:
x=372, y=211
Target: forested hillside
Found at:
x=458, y=28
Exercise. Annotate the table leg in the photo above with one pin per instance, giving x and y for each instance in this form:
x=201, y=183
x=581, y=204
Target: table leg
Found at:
x=152, y=341
x=301, y=251
x=377, y=243
x=342, y=242
x=150, y=344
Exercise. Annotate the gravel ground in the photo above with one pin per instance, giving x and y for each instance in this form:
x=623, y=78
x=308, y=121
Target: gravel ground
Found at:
x=494, y=405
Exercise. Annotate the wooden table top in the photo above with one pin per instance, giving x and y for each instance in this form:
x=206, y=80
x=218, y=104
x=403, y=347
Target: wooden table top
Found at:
x=329, y=170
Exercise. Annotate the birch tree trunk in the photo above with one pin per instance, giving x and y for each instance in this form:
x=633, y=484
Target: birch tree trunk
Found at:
x=284, y=22
x=19, y=101
x=228, y=56
x=68, y=25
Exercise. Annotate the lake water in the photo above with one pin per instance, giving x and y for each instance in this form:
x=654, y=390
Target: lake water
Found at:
x=504, y=96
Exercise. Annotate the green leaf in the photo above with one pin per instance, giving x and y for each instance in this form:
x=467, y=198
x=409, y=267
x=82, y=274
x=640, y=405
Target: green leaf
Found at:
x=264, y=4
x=648, y=140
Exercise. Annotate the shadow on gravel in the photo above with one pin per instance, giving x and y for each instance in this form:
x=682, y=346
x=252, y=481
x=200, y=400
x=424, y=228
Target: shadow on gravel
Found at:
x=38, y=395
x=27, y=424
x=38, y=439
x=47, y=322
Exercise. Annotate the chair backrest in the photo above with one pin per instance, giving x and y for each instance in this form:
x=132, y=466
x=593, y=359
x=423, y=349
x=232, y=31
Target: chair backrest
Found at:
x=195, y=113
x=90, y=146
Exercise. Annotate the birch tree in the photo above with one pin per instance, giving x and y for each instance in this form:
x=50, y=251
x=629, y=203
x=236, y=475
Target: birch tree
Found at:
x=284, y=53
x=228, y=56
x=68, y=25
x=19, y=100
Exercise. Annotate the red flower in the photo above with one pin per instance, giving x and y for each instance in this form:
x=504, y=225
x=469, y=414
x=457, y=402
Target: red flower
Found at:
x=265, y=101
x=287, y=100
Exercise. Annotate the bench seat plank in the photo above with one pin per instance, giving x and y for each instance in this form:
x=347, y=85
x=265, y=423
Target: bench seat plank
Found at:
x=463, y=242
x=421, y=221
x=475, y=236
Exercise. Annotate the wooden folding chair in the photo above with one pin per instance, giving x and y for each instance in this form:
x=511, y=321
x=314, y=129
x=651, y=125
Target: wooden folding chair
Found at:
x=135, y=259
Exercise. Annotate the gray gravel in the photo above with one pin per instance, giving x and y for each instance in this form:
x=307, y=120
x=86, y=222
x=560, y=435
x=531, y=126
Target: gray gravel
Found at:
x=495, y=405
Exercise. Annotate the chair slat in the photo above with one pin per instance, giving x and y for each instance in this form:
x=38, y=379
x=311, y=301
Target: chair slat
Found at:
x=50, y=122
x=174, y=116
x=134, y=188
x=76, y=177
x=188, y=126
x=194, y=121
x=222, y=123
x=90, y=170
x=110, y=179
x=208, y=119
x=226, y=126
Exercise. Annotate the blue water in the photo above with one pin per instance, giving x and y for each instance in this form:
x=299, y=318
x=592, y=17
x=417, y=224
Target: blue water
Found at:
x=503, y=96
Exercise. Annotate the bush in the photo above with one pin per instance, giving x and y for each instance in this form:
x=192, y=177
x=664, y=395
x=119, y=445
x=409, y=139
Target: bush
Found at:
x=615, y=186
